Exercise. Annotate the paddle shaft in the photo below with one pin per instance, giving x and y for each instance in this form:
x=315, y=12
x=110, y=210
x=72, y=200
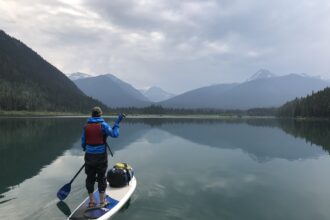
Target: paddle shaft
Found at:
x=82, y=167
x=109, y=148
x=65, y=190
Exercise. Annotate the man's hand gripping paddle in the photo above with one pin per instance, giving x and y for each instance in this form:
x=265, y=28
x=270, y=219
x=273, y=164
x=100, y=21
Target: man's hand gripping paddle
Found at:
x=121, y=116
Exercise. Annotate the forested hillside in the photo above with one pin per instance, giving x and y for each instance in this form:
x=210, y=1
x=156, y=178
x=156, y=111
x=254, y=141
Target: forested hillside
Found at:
x=315, y=105
x=28, y=82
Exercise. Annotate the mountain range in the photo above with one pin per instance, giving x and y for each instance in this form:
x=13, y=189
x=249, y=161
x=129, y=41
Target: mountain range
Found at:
x=28, y=82
x=263, y=89
x=126, y=94
x=112, y=91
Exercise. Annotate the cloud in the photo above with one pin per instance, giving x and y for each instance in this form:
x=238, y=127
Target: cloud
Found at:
x=178, y=45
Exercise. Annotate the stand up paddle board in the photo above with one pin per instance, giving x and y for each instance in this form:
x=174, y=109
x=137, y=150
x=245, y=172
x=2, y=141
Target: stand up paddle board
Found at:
x=116, y=197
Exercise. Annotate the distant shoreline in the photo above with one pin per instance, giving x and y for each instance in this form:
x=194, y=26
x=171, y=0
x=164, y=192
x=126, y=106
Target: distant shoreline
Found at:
x=37, y=113
x=137, y=116
x=211, y=116
x=40, y=114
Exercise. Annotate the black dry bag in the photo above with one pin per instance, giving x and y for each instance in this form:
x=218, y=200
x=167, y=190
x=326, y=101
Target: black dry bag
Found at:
x=120, y=175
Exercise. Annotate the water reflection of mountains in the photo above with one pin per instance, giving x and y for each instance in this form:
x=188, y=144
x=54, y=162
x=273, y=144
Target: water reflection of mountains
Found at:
x=263, y=139
x=28, y=145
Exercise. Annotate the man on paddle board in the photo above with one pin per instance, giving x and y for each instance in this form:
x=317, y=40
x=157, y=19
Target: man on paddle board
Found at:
x=93, y=142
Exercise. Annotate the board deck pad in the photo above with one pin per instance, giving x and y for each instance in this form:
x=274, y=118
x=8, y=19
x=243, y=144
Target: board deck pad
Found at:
x=83, y=212
x=115, y=197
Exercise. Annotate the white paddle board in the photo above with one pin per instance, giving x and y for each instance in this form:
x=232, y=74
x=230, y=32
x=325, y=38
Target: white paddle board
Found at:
x=116, y=197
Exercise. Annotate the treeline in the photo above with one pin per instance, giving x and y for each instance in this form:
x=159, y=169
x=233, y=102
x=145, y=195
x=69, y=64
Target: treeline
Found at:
x=159, y=110
x=19, y=96
x=28, y=96
x=315, y=105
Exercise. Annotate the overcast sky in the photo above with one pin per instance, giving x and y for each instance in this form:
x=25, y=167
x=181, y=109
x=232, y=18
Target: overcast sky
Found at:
x=177, y=45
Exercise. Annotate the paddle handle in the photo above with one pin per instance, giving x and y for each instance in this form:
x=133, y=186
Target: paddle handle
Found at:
x=82, y=167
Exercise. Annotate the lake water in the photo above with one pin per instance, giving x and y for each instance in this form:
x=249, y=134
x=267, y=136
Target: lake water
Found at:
x=186, y=169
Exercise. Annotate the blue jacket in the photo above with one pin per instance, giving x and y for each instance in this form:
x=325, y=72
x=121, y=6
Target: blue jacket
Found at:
x=106, y=130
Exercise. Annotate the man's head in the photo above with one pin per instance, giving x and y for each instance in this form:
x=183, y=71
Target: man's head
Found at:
x=96, y=111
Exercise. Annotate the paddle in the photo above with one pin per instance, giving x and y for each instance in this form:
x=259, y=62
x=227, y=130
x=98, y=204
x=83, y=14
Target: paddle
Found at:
x=65, y=190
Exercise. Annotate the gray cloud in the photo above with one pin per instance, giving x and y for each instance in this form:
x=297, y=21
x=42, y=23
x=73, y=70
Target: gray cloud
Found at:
x=178, y=45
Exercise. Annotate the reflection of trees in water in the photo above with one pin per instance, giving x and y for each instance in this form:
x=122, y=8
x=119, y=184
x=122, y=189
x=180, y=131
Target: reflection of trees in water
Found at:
x=28, y=144
x=22, y=132
x=263, y=122
x=313, y=131
x=261, y=144
x=157, y=122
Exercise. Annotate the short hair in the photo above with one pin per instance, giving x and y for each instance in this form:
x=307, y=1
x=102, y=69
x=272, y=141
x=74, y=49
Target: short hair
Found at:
x=96, y=111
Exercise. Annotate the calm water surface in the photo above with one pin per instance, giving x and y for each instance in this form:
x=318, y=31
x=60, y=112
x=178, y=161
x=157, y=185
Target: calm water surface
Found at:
x=186, y=169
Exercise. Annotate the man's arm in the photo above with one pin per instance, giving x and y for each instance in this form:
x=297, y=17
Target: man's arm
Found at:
x=112, y=132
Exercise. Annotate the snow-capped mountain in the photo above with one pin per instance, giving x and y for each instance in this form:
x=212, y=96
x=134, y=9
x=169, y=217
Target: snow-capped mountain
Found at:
x=78, y=75
x=156, y=94
x=261, y=74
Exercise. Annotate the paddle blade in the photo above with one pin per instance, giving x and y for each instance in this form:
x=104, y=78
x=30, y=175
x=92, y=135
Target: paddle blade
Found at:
x=64, y=191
